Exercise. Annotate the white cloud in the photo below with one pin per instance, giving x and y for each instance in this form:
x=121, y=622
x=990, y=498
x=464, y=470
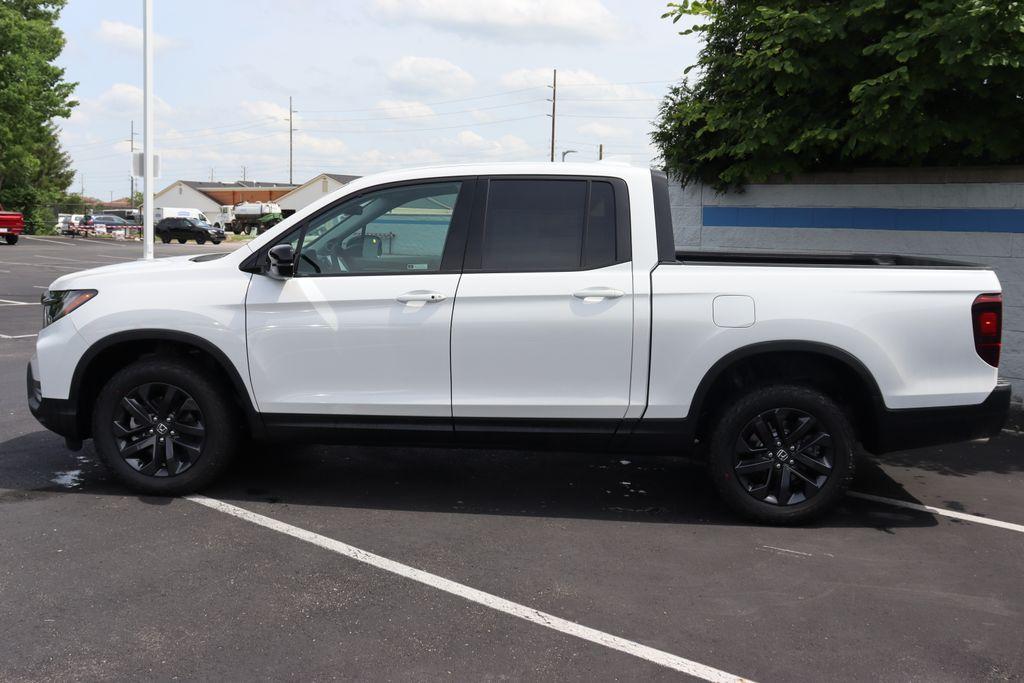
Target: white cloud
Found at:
x=519, y=20
x=121, y=99
x=429, y=75
x=405, y=109
x=573, y=83
x=504, y=146
x=604, y=131
x=127, y=37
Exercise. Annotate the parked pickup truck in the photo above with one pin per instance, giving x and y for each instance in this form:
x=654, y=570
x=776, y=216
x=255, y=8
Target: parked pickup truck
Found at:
x=12, y=224
x=534, y=305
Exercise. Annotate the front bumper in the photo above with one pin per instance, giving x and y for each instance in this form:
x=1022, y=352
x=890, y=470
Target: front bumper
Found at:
x=57, y=415
x=897, y=430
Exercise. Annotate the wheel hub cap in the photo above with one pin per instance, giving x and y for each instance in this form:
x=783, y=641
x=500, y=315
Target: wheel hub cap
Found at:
x=783, y=456
x=159, y=430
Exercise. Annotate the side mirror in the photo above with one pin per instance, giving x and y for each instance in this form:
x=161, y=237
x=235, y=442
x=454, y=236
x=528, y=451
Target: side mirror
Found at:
x=282, y=262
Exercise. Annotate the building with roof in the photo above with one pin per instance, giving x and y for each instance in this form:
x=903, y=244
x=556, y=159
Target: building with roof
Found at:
x=208, y=197
x=312, y=190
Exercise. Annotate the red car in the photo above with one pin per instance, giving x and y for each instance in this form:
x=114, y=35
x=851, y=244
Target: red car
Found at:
x=12, y=224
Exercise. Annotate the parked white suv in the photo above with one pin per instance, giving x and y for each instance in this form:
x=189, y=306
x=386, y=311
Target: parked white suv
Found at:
x=538, y=305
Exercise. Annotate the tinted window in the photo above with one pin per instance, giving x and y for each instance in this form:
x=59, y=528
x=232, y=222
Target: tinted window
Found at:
x=396, y=230
x=599, y=246
x=548, y=225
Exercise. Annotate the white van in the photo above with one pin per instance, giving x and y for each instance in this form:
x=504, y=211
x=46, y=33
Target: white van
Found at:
x=162, y=212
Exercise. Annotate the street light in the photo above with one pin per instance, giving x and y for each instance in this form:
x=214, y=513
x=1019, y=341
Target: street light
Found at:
x=566, y=152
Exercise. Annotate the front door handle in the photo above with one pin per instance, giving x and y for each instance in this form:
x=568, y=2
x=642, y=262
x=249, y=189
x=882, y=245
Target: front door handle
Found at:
x=593, y=293
x=420, y=295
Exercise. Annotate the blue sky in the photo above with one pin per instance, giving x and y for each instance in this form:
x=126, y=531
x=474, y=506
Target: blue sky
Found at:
x=377, y=84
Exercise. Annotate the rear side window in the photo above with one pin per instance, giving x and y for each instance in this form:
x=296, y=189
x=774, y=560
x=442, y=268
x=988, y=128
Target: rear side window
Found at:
x=548, y=225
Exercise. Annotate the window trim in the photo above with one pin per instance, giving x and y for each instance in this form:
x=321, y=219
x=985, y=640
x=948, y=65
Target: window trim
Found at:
x=473, y=262
x=454, y=246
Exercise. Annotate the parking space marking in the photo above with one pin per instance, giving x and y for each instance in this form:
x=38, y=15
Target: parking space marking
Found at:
x=11, y=302
x=38, y=265
x=938, y=511
x=494, y=602
x=17, y=336
x=47, y=241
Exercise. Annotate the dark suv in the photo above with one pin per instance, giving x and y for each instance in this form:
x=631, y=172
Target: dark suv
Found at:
x=185, y=229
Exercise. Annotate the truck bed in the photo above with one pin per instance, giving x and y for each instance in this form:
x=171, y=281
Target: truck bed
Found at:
x=811, y=259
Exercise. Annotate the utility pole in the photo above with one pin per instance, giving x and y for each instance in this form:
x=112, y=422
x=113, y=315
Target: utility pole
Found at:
x=211, y=174
x=81, y=180
x=147, y=130
x=243, y=174
x=291, y=131
x=554, y=100
x=600, y=151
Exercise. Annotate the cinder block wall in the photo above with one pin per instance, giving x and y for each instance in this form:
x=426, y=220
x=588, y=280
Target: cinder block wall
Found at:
x=974, y=215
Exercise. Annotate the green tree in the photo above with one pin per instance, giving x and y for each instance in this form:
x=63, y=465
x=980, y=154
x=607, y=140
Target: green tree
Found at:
x=799, y=85
x=34, y=171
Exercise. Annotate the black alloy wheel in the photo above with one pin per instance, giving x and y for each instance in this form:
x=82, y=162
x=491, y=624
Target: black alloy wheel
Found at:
x=783, y=456
x=159, y=430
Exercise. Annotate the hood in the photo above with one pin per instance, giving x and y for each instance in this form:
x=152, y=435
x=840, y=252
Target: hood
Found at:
x=168, y=268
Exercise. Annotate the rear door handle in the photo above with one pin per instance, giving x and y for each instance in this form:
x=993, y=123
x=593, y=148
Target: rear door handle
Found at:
x=598, y=293
x=420, y=295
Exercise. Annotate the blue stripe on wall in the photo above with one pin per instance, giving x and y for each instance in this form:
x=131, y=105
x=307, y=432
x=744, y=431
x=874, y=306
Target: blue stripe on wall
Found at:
x=943, y=220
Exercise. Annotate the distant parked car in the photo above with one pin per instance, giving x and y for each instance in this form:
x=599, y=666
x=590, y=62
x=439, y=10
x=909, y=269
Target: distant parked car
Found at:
x=109, y=220
x=132, y=216
x=185, y=229
x=105, y=223
x=12, y=224
x=74, y=227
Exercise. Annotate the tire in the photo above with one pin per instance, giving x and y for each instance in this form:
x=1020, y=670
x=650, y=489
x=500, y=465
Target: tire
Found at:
x=214, y=241
x=237, y=231
x=11, y=239
x=248, y=229
x=197, y=459
x=200, y=240
x=182, y=240
x=165, y=239
x=818, y=463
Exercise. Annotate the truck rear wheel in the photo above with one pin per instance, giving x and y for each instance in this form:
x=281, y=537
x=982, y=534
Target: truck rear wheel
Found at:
x=782, y=454
x=11, y=239
x=163, y=427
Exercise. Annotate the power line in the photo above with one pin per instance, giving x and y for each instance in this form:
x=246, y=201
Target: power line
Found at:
x=429, y=104
x=417, y=130
x=432, y=114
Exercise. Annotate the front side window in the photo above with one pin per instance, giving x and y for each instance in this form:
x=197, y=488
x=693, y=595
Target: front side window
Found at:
x=390, y=231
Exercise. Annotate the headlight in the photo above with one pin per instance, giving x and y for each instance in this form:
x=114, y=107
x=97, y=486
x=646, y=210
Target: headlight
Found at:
x=59, y=303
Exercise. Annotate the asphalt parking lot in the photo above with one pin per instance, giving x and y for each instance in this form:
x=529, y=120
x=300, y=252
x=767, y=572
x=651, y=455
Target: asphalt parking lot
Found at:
x=485, y=565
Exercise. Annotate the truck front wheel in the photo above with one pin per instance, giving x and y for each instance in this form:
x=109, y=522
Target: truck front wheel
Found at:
x=164, y=427
x=782, y=454
x=11, y=239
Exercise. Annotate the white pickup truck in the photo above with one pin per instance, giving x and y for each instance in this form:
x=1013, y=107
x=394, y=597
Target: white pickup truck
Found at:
x=528, y=305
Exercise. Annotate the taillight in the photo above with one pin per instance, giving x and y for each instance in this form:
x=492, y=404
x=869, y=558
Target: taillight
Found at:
x=987, y=313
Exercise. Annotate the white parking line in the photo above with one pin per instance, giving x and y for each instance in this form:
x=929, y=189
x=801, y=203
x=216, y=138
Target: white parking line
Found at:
x=72, y=260
x=51, y=240
x=17, y=336
x=37, y=265
x=10, y=302
x=514, y=609
x=938, y=511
